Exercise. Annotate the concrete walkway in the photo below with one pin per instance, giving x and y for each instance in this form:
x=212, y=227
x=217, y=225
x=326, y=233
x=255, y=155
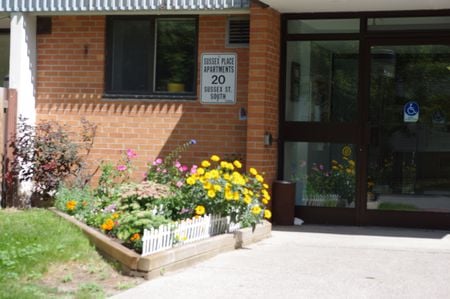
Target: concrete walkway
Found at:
x=318, y=262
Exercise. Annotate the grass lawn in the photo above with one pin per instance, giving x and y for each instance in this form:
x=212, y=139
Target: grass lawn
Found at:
x=43, y=256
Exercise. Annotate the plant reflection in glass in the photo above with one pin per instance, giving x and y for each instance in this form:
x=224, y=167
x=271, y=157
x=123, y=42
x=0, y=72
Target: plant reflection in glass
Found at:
x=339, y=180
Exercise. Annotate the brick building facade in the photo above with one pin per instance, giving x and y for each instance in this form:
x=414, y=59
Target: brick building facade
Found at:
x=70, y=85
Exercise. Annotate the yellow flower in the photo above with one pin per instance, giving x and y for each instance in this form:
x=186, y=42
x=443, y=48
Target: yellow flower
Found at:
x=265, y=201
x=200, y=210
x=352, y=163
x=253, y=171
x=230, y=166
x=215, y=158
x=265, y=194
x=135, y=237
x=237, y=164
x=224, y=164
x=71, y=205
x=228, y=195
x=247, y=199
x=334, y=162
x=266, y=186
x=200, y=171
x=226, y=176
x=206, y=163
x=236, y=196
x=256, y=210
x=259, y=178
x=190, y=180
x=115, y=216
x=207, y=185
x=214, y=174
x=211, y=193
x=267, y=214
x=217, y=188
x=334, y=167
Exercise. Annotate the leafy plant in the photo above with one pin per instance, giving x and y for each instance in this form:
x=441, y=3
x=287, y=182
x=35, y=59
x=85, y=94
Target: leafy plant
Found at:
x=47, y=154
x=75, y=201
x=169, y=170
x=340, y=180
x=112, y=175
x=218, y=187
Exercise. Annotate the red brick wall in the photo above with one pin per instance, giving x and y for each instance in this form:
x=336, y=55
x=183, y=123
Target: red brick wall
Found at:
x=70, y=82
x=263, y=89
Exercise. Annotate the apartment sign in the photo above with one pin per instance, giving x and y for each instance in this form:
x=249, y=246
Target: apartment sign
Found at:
x=218, y=78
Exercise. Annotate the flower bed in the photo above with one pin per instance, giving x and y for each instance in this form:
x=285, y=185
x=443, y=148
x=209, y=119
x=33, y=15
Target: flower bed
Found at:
x=171, y=192
x=157, y=264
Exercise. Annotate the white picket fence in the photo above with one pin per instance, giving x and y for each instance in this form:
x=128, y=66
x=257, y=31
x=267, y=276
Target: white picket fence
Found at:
x=184, y=232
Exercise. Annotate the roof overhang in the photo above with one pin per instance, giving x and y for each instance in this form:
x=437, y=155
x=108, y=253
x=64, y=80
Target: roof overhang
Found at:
x=4, y=20
x=317, y=6
x=123, y=6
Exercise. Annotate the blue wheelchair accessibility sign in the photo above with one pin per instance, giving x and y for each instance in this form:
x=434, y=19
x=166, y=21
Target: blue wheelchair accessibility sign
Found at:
x=411, y=112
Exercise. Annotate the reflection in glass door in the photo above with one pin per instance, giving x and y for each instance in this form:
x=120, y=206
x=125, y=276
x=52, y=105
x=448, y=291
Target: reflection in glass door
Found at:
x=409, y=114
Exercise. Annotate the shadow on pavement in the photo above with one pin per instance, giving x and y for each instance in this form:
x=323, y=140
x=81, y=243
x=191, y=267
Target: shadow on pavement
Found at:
x=365, y=231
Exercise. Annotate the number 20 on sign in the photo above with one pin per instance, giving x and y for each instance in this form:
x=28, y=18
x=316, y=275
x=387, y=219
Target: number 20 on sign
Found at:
x=218, y=78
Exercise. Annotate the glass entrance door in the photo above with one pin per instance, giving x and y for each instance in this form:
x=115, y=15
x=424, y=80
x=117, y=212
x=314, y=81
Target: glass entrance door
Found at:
x=409, y=130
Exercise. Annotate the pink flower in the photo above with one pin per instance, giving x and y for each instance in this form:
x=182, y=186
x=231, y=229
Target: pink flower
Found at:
x=179, y=184
x=183, y=168
x=157, y=161
x=194, y=169
x=121, y=167
x=177, y=164
x=131, y=153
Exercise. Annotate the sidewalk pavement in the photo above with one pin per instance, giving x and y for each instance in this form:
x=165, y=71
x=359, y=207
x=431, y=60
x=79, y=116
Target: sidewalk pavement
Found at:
x=318, y=262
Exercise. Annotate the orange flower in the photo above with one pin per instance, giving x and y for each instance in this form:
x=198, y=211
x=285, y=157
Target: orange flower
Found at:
x=135, y=237
x=108, y=224
x=71, y=205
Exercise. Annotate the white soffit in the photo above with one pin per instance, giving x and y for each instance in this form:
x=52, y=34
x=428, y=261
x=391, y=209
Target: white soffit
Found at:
x=309, y=6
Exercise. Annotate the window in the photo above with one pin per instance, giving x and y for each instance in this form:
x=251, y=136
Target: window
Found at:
x=323, y=26
x=325, y=173
x=151, y=56
x=322, y=81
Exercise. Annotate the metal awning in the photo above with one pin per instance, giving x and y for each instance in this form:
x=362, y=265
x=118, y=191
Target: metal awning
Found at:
x=79, y=6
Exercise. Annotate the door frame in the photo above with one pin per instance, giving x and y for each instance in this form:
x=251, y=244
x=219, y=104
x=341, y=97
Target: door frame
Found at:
x=366, y=216
x=360, y=128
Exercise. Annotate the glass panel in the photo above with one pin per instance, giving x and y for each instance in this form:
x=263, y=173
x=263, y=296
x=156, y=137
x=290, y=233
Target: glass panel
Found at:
x=4, y=57
x=324, y=173
x=175, y=55
x=131, y=55
x=417, y=23
x=321, y=81
x=409, y=153
x=323, y=26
